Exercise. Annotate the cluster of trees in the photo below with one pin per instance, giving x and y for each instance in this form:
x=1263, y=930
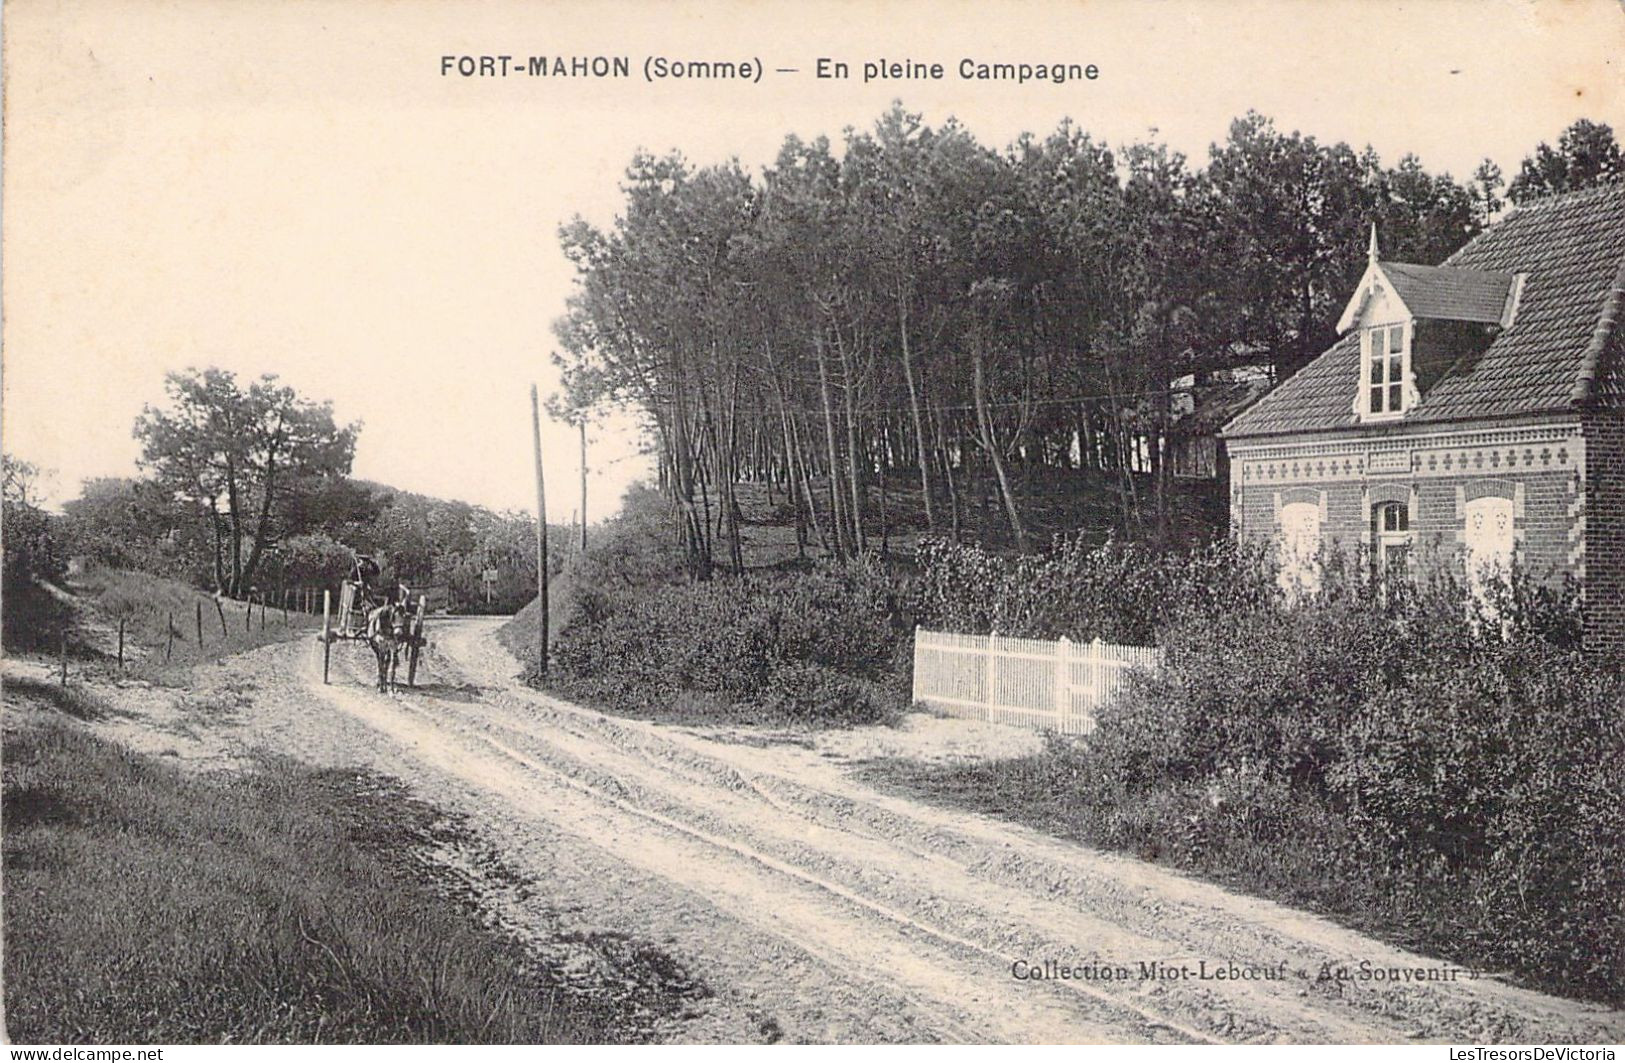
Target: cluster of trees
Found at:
x=920, y=307
x=31, y=550
x=247, y=490
x=235, y=456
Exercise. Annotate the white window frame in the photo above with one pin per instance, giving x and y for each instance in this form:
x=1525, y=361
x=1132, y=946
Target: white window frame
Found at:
x=1402, y=538
x=1368, y=364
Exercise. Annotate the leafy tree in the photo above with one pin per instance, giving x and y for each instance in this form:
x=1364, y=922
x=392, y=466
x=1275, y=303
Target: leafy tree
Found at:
x=32, y=550
x=1423, y=217
x=24, y=481
x=137, y=524
x=337, y=506
x=1292, y=215
x=1487, y=185
x=235, y=453
x=1587, y=154
x=313, y=560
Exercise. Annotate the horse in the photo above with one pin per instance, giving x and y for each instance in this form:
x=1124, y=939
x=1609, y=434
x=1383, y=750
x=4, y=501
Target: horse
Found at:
x=388, y=629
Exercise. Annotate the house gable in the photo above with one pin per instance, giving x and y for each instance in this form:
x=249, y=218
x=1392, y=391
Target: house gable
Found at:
x=1570, y=251
x=1375, y=302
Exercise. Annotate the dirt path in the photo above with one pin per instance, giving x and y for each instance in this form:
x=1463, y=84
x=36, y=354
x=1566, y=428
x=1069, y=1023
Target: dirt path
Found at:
x=819, y=909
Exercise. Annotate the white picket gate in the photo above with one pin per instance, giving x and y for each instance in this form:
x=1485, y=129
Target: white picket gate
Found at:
x=1052, y=686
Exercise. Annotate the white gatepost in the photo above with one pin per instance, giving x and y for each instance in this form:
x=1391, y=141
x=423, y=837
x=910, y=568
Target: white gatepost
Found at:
x=919, y=685
x=1063, y=682
x=992, y=676
x=1097, y=675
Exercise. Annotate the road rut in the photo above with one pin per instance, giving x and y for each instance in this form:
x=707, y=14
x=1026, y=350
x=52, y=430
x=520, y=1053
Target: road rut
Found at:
x=821, y=909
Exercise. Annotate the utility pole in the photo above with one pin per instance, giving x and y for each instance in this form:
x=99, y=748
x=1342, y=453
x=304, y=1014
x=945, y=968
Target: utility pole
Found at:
x=541, y=530
x=582, y=421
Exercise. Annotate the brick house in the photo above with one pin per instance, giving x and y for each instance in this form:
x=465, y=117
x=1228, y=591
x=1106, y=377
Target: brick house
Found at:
x=1472, y=412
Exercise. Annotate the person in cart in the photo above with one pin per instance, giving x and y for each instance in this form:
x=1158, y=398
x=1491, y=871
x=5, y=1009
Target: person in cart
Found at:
x=382, y=613
x=369, y=577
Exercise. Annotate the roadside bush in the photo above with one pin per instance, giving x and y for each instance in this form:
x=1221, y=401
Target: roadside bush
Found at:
x=1467, y=749
x=1265, y=690
x=1118, y=591
x=1503, y=782
x=124, y=523
x=1438, y=763
x=31, y=546
x=33, y=614
x=816, y=693
x=812, y=646
x=634, y=551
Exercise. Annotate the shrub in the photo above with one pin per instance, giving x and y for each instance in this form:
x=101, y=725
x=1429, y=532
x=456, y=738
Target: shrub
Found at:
x=634, y=551
x=1504, y=778
x=1466, y=748
x=816, y=693
x=30, y=543
x=1261, y=690
x=135, y=524
x=1118, y=591
x=806, y=646
x=314, y=560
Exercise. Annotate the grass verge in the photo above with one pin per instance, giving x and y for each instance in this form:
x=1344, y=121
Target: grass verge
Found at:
x=286, y=904
x=163, y=639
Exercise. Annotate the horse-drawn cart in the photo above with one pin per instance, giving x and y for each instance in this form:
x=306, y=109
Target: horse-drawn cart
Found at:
x=390, y=622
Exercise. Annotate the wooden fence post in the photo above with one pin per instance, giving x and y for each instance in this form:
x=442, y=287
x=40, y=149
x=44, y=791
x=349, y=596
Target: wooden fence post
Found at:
x=992, y=699
x=262, y=612
x=169, y=647
x=199, y=625
x=914, y=694
x=248, y=615
x=327, y=632
x=222, y=611
x=1097, y=679
x=1063, y=682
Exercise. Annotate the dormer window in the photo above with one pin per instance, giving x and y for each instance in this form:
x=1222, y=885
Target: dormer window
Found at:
x=1392, y=300
x=1386, y=362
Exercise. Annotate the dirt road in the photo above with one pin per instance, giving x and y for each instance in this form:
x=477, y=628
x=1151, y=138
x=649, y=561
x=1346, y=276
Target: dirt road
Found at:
x=819, y=909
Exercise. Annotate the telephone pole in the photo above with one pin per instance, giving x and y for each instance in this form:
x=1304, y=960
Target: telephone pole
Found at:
x=541, y=531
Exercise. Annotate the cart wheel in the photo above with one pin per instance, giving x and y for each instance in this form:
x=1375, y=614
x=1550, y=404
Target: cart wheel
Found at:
x=417, y=647
x=327, y=632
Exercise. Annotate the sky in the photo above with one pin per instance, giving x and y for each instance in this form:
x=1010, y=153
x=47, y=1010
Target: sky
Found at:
x=294, y=187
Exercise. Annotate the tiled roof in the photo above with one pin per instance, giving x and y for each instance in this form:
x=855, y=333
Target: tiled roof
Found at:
x=1451, y=294
x=1216, y=403
x=1561, y=346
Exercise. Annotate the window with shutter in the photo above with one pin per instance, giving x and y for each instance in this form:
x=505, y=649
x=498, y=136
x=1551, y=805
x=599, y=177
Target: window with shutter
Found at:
x=1299, y=548
x=1489, y=541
